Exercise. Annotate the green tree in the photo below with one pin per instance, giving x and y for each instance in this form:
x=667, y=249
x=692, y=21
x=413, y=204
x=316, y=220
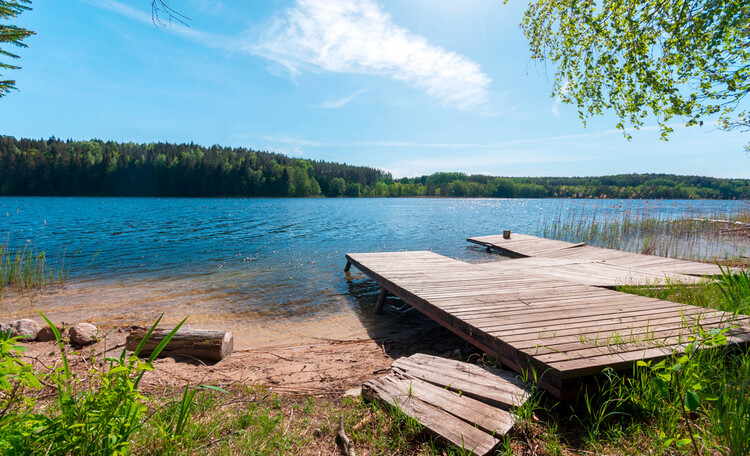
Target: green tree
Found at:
x=13, y=35
x=337, y=187
x=640, y=58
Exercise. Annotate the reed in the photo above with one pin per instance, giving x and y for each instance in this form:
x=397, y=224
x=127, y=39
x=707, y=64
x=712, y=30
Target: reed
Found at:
x=696, y=236
x=27, y=267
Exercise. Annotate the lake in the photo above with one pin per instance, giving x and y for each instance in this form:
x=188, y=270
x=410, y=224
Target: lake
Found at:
x=257, y=262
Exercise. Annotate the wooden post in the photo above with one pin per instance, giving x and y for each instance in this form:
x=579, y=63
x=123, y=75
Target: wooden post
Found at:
x=506, y=234
x=381, y=301
x=348, y=266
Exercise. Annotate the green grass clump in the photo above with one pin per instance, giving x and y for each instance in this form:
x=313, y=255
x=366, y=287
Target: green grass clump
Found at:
x=96, y=413
x=26, y=268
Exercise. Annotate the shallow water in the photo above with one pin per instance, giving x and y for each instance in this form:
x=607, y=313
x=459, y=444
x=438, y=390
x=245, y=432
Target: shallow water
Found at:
x=261, y=264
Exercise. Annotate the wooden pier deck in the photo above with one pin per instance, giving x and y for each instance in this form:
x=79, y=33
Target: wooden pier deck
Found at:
x=550, y=309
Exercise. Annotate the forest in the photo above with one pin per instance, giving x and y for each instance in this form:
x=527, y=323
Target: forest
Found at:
x=54, y=167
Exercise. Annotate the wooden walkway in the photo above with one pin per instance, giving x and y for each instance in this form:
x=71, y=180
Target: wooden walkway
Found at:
x=544, y=311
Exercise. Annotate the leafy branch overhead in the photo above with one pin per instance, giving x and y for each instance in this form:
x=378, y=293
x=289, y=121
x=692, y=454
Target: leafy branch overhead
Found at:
x=13, y=35
x=666, y=58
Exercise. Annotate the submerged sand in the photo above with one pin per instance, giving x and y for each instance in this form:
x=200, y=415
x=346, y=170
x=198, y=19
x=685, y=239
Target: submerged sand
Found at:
x=109, y=305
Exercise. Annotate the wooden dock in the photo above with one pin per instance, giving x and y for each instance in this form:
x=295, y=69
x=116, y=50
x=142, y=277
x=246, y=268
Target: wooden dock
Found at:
x=551, y=308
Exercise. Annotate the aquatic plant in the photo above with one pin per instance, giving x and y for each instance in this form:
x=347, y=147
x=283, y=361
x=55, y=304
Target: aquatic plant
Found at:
x=27, y=267
x=696, y=236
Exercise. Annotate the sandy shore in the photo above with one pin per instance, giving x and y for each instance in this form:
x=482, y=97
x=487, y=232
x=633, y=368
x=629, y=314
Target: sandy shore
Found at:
x=317, y=356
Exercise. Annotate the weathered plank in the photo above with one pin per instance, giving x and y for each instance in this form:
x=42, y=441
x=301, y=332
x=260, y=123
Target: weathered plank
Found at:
x=496, y=387
x=461, y=420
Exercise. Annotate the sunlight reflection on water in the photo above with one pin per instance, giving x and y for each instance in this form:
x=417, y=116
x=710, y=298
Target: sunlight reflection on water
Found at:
x=258, y=259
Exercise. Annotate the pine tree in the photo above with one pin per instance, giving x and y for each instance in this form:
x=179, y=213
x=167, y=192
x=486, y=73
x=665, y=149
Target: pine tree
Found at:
x=13, y=35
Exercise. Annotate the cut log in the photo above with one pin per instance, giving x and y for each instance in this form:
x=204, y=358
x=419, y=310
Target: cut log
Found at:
x=205, y=344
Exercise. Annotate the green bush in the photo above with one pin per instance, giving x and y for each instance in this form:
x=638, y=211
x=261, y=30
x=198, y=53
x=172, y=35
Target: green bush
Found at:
x=94, y=414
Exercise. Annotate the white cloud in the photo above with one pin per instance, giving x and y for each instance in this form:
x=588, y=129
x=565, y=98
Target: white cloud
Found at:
x=357, y=36
x=341, y=102
x=346, y=36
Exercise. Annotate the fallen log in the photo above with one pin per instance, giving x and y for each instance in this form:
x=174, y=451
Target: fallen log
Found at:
x=204, y=344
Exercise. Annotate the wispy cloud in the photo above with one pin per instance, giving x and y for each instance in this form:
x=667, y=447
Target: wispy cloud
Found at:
x=207, y=39
x=346, y=36
x=558, y=99
x=493, y=146
x=357, y=36
x=341, y=102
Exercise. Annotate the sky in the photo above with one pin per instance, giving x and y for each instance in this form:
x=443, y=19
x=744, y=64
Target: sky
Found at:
x=411, y=87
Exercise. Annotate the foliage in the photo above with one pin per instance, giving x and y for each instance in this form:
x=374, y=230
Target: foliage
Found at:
x=686, y=58
x=682, y=379
x=89, y=168
x=17, y=380
x=735, y=286
x=96, y=414
x=10, y=9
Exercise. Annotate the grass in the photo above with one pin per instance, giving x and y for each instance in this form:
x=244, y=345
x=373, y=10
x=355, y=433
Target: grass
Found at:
x=256, y=421
x=26, y=268
x=697, y=236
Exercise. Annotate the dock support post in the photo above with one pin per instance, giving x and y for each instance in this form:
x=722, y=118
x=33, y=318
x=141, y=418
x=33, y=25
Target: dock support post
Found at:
x=348, y=266
x=381, y=301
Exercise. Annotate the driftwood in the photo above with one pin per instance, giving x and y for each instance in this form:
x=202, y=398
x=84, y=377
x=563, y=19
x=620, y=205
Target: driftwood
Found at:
x=204, y=344
x=346, y=445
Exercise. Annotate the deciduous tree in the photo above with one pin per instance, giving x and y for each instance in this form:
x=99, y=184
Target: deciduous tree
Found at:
x=640, y=58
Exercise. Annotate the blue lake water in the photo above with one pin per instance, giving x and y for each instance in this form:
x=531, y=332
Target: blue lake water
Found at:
x=271, y=258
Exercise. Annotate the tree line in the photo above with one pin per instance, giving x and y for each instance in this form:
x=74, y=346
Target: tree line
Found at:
x=54, y=167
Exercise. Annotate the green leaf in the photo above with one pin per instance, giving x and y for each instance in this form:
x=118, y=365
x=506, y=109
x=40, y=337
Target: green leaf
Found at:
x=682, y=442
x=211, y=387
x=692, y=401
x=665, y=376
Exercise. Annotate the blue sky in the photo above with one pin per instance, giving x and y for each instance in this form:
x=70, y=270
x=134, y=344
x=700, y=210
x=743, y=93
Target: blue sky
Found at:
x=412, y=87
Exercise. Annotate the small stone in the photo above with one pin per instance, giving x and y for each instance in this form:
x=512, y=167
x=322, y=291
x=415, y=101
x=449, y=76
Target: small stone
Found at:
x=83, y=334
x=25, y=328
x=46, y=334
x=353, y=392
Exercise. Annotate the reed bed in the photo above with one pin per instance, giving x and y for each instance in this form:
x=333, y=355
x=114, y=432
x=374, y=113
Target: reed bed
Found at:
x=26, y=268
x=694, y=236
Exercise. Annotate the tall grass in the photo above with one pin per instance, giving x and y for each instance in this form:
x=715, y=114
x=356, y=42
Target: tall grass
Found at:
x=26, y=268
x=697, y=236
